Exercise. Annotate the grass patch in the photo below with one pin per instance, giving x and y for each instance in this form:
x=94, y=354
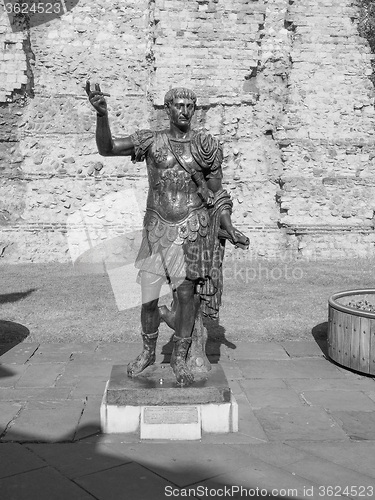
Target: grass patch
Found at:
x=262, y=301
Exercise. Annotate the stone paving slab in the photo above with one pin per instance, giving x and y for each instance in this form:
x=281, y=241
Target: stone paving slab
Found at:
x=248, y=423
x=16, y=458
x=326, y=473
x=8, y=411
x=18, y=354
x=233, y=437
x=53, y=348
x=110, y=439
x=74, y=369
x=258, y=480
x=263, y=383
x=119, y=352
x=133, y=438
x=256, y=351
x=84, y=379
x=62, y=353
x=70, y=347
x=79, y=351
x=281, y=424
x=35, y=393
x=185, y=464
x=292, y=368
x=41, y=484
x=363, y=384
x=88, y=386
x=353, y=375
x=52, y=357
x=231, y=370
x=302, y=348
x=356, y=455
x=89, y=423
x=356, y=424
x=339, y=400
x=10, y=374
x=6, y=347
x=126, y=481
x=280, y=398
x=49, y=421
x=235, y=387
x=40, y=375
x=76, y=459
x=277, y=454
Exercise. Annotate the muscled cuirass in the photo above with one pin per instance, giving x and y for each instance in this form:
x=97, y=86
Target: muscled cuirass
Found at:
x=172, y=192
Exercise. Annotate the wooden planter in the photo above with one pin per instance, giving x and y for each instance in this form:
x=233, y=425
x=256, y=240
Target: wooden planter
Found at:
x=351, y=332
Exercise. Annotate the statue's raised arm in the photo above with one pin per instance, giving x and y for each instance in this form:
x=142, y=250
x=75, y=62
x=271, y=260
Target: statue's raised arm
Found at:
x=107, y=146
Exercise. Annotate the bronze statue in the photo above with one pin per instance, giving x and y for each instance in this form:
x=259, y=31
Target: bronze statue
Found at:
x=188, y=218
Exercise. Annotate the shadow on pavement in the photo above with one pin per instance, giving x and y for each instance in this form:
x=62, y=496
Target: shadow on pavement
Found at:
x=5, y=372
x=319, y=332
x=216, y=338
x=109, y=468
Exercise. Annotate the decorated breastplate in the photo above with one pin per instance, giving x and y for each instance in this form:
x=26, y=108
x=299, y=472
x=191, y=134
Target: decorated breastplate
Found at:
x=166, y=151
x=174, y=180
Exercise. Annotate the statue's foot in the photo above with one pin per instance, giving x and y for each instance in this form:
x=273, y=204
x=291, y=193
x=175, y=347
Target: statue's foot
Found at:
x=178, y=361
x=145, y=359
x=147, y=356
x=183, y=375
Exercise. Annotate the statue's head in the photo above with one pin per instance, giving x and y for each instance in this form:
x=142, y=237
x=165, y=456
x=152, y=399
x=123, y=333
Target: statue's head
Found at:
x=180, y=106
x=179, y=93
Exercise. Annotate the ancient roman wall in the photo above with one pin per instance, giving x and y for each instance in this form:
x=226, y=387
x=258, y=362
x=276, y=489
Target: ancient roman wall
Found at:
x=326, y=134
x=284, y=84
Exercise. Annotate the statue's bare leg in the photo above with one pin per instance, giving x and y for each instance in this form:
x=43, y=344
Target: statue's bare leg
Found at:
x=184, y=323
x=150, y=320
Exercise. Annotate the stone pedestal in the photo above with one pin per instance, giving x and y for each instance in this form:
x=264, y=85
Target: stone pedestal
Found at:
x=155, y=406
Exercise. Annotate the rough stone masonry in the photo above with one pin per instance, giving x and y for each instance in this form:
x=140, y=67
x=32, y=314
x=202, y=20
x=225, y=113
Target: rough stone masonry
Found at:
x=284, y=84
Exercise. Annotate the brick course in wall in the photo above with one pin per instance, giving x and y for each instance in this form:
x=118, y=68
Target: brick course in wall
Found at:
x=283, y=84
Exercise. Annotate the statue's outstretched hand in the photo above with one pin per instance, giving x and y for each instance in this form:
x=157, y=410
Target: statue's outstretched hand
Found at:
x=96, y=98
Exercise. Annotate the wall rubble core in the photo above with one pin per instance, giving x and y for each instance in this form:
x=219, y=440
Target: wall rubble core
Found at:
x=284, y=84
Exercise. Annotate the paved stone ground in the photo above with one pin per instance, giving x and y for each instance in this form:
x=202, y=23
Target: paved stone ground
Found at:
x=306, y=424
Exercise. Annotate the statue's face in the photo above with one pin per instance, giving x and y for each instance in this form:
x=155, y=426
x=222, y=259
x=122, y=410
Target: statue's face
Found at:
x=181, y=112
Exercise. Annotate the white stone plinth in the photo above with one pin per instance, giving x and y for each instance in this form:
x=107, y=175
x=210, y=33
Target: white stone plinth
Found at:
x=177, y=422
x=154, y=406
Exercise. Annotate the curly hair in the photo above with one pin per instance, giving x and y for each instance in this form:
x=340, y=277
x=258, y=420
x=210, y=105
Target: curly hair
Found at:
x=179, y=93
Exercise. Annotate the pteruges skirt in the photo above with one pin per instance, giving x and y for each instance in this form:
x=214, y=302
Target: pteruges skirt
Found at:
x=176, y=250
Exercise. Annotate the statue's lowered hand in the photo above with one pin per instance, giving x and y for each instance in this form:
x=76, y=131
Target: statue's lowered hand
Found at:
x=206, y=195
x=236, y=237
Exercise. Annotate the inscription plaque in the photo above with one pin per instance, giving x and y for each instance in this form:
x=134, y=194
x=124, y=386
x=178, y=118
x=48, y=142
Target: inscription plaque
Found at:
x=171, y=415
